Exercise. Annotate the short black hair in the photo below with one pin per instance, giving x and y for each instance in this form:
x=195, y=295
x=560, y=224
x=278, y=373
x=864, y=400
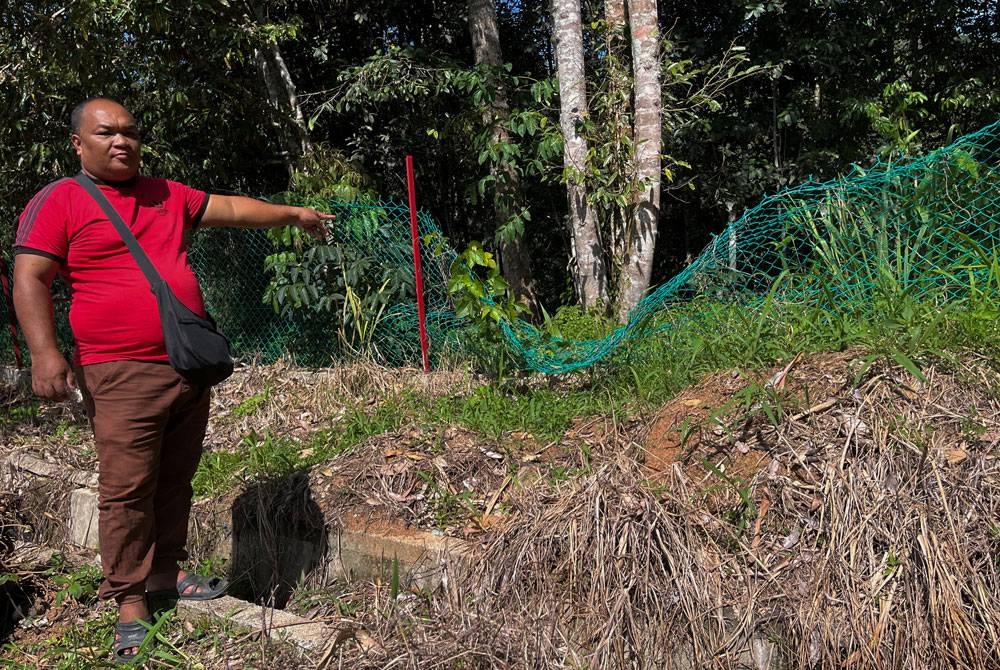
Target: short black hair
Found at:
x=74, y=116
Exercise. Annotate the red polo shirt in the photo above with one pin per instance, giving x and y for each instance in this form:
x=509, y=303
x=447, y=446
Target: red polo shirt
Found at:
x=112, y=312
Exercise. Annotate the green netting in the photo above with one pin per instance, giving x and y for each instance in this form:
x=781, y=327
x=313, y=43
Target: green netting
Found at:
x=920, y=228
x=371, y=238
x=923, y=228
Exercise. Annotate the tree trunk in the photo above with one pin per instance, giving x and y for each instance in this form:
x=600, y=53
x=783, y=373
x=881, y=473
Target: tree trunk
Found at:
x=281, y=93
x=588, y=267
x=641, y=242
x=514, y=258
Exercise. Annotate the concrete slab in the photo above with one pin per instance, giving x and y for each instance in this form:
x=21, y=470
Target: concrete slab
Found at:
x=422, y=557
x=276, y=624
x=277, y=564
x=40, y=468
x=83, y=518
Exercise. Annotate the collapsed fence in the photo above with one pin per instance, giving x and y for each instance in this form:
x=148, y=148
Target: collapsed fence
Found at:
x=925, y=228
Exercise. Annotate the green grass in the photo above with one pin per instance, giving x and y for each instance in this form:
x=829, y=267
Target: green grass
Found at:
x=703, y=337
x=88, y=644
x=265, y=456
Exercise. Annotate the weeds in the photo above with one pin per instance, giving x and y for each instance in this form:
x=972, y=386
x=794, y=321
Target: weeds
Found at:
x=448, y=508
x=251, y=404
x=80, y=583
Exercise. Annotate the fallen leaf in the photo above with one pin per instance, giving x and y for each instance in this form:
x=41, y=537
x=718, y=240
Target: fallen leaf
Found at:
x=693, y=402
x=367, y=642
x=956, y=456
x=404, y=498
x=394, y=468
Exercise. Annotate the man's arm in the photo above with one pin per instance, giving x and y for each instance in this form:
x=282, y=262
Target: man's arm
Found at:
x=51, y=375
x=241, y=212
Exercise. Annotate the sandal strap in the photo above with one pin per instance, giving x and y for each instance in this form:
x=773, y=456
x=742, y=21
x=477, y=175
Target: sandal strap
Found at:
x=204, y=587
x=130, y=635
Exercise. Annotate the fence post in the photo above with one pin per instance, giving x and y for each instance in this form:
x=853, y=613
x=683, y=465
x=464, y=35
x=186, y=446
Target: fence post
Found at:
x=415, y=234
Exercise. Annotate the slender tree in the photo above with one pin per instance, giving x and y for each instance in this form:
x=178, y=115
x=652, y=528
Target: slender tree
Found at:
x=612, y=109
x=282, y=95
x=514, y=258
x=640, y=240
x=588, y=267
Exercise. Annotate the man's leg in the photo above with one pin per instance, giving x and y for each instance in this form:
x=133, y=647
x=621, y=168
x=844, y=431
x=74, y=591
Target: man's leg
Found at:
x=181, y=451
x=130, y=404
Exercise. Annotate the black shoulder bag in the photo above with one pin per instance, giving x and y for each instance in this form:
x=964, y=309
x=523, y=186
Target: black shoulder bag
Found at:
x=195, y=347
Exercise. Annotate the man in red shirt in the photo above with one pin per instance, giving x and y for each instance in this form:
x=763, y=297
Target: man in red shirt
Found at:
x=148, y=420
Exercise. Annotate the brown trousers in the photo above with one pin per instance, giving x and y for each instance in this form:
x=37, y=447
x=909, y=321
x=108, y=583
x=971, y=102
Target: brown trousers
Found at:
x=149, y=424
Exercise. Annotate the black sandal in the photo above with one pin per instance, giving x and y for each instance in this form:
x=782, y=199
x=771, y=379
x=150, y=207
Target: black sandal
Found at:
x=205, y=588
x=130, y=636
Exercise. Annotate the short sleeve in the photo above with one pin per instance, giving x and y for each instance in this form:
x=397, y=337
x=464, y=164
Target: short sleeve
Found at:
x=195, y=204
x=43, y=227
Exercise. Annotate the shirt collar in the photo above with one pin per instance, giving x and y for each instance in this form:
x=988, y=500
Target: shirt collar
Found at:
x=124, y=183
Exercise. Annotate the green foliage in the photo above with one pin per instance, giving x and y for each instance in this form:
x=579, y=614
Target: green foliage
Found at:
x=573, y=322
x=266, y=456
x=78, y=583
x=520, y=141
x=740, y=516
x=890, y=116
x=481, y=297
x=88, y=643
x=325, y=174
x=339, y=290
x=449, y=508
x=176, y=70
x=513, y=143
x=250, y=405
x=211, y=566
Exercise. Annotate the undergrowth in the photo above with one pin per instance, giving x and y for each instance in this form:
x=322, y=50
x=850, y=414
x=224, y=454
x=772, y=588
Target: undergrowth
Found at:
x=692, y=341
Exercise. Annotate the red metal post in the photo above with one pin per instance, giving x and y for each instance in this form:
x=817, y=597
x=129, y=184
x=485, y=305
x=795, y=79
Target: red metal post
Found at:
x=415, y=234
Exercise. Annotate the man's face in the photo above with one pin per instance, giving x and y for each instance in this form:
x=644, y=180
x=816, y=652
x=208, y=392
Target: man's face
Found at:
x=107, y=142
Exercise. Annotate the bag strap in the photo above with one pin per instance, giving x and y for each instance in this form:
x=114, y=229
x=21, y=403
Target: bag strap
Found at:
x=140, y=256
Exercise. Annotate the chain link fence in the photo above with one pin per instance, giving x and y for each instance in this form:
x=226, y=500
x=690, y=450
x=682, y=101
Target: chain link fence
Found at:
x=371, y=310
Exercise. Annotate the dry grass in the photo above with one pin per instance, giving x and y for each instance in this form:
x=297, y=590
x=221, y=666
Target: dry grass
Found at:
x=283, y=400
x=857, y=528
x=868, y=539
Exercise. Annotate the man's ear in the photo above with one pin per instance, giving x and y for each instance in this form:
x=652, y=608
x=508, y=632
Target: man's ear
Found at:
x=74, y=139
